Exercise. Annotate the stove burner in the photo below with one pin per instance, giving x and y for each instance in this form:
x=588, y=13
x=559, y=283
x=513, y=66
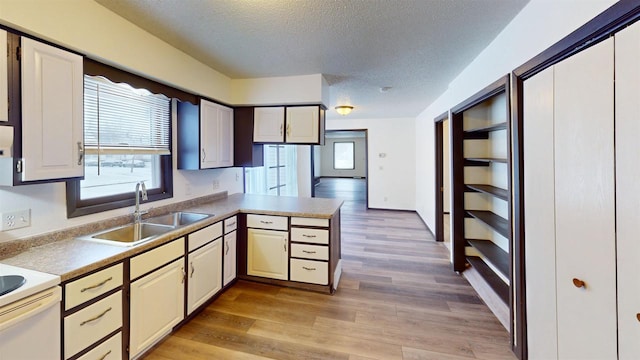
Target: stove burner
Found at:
x=8, y=283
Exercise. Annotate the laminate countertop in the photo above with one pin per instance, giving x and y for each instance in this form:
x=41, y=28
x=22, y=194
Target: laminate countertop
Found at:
x=71, y=257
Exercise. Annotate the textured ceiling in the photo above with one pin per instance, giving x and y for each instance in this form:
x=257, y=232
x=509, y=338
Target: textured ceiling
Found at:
x=416, y=47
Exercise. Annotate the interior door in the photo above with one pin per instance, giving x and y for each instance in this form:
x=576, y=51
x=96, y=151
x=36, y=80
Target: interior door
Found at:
x=628, y=197
x=585, y=204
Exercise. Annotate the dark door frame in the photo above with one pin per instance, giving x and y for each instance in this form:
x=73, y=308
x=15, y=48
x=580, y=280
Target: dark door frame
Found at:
x=366, y=163
x=439, y=161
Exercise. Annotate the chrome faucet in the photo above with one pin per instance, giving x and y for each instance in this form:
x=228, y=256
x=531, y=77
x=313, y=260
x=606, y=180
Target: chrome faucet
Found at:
x=140, y=189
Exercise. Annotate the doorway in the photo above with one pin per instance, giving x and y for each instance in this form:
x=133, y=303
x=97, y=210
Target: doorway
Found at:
x=443, y=176
x=339, y=168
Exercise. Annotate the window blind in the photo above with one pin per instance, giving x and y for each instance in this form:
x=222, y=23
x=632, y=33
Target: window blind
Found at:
x=119, y=119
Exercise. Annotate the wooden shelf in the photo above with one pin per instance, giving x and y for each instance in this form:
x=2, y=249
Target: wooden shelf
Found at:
x=492, y=253
x=486, y=160
x=489, y=189
x=498, y=223
x=495, y=282
x=487, y=129
x=483, y=132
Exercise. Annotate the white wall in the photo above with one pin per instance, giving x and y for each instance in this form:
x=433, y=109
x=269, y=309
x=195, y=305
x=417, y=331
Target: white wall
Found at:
x=360, y=158
x=392, y=176
x=539, y=25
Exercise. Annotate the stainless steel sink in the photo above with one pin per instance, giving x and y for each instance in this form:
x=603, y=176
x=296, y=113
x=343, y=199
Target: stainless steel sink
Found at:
x=129, y=235
x=177, y=219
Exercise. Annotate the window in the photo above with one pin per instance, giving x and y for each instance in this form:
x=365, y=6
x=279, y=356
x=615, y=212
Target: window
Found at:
x=344, y=155
x=278, y=176
x=127, y=135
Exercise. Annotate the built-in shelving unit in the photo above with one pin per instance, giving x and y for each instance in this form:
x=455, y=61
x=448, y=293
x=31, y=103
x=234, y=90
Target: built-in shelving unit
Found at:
x=481, y=196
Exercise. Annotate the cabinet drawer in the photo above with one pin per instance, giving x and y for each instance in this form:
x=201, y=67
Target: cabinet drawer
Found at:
x=203, y=236
x=309, y=222
x=267, y=222
x=230, y=224
x=155, y=258
x=309, y=271
x=90, y=286
x=315, y=236
x=310, y=251
x=92, y=323
x=108, y=350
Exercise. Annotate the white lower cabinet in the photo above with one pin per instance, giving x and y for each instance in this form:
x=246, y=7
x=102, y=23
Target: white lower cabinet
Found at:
x=205, y=274
x=108, y=350
x=230, y=262
x=267, y=253
x=157, y=305
x=92, y=323
x=310, y=271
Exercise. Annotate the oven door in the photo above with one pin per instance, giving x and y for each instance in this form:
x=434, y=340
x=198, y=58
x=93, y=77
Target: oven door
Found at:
x=30, y=327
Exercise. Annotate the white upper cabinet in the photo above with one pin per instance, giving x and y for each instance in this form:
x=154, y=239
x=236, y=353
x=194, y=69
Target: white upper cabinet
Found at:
x=268, y=125
x=301, y=125
x=216, y=135
x=52, y=112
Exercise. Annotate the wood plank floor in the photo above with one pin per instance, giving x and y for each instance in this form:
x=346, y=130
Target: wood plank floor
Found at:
x=397, y=299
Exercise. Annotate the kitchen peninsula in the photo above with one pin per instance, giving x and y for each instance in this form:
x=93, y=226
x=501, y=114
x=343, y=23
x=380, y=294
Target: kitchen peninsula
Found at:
x=286, y=241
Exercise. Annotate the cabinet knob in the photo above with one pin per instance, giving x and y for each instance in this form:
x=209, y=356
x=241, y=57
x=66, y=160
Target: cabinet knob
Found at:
x=579, y=283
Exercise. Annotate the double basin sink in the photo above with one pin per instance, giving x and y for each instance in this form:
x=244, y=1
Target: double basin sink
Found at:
x=136, y=233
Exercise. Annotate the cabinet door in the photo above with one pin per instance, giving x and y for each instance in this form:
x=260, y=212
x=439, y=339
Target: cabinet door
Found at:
x=52, y=112
x=157, y=305
x=627, y=175
x=585, y=204
x=225, y=136
x=229, y=272
x=216, y=135
x=268, y=124
x=209, y=133
x=4, y=78
x=205, y=267
x=303, y=124
x=267, y=254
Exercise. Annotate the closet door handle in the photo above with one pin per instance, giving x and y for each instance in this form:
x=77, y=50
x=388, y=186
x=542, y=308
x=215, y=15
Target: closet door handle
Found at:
x=579, y=283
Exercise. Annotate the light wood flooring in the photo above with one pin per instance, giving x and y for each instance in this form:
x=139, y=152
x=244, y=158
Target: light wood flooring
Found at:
x=398, y=299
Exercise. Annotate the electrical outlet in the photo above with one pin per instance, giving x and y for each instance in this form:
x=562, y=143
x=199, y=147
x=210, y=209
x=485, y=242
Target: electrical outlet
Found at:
x=216, y=184
x=15, y=219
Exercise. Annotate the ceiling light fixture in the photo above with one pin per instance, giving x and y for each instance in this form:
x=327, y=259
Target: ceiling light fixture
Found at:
x=344, y=109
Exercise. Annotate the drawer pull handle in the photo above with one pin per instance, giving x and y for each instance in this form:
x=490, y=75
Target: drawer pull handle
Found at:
x=310, y=269
x=105, y=355
x=308, y=252
x=266, y=222
x=579, y=283
x=97, y=285
x=95, y=317
x=231, y=224
x=308, y=236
